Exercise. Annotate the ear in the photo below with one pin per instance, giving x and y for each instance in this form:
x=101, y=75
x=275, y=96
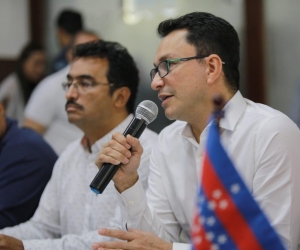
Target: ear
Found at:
x=214, y=69
x=121, y=96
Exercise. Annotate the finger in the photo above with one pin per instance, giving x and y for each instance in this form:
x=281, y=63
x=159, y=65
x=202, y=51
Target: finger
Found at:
x=135, y=144
x=117, y=233
x=113, y=153
x=120, y=138
x=97, y=246
x=116, y=245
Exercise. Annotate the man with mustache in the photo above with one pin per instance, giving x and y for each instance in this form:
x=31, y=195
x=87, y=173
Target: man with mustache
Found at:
x=101, y=88
x=44, y=112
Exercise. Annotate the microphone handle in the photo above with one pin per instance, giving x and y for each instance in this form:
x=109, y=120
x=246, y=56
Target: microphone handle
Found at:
x=108, y=170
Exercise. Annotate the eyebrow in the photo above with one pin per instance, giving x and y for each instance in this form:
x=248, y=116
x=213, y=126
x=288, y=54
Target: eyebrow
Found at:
x=81, y=77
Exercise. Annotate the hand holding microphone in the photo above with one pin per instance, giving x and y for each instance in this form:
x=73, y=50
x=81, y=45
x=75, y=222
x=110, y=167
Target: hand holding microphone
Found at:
x=116, y=150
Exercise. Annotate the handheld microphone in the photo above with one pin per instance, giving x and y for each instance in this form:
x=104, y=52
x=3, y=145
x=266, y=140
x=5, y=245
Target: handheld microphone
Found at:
x=145, y=113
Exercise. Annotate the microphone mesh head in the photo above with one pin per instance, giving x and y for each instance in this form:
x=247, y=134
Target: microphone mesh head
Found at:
x=146, y=110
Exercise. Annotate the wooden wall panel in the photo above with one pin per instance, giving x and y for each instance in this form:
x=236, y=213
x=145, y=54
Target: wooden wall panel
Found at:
x=255, y=63
x=6, y=67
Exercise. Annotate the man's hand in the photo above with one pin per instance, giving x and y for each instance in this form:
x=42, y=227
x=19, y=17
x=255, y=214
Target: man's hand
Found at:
x=10, y=243
x=132, y=240
x=123, y=150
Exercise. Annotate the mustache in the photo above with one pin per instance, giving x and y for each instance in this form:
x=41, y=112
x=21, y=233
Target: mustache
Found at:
x=73, y=103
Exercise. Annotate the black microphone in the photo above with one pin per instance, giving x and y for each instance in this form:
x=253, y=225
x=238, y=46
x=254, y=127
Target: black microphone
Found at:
x=145, y=113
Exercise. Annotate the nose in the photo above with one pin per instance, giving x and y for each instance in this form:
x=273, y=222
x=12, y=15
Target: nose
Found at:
x=157, y=82
x=72, y=92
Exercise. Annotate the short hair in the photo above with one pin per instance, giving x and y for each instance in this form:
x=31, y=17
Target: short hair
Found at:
x=210, y=35
x=70, y=21
x=122, y=69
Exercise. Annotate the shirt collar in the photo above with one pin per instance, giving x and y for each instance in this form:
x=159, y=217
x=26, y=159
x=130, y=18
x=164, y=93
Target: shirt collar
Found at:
x=96, y=147
x=233, y=111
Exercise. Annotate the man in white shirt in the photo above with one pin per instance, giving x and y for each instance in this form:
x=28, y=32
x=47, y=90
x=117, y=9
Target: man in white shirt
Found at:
x=101, y=89
x=197, y=58
x=45, y=111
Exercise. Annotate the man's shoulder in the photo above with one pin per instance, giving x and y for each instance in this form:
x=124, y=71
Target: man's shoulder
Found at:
x=9, y=83
x=262, y=120
x=261, y=113
x=24, y=142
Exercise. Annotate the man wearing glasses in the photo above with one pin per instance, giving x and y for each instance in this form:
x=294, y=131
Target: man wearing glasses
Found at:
x=101, y=88
x=197, y=58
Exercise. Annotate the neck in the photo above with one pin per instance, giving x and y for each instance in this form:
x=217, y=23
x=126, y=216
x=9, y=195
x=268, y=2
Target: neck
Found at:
x=95, y=131
x=199, y=123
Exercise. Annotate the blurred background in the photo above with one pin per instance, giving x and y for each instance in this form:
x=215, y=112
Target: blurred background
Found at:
x=268, y=30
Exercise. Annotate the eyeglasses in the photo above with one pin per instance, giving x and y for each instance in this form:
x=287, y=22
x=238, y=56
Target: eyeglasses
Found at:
x=163, y=68
x=82, y=85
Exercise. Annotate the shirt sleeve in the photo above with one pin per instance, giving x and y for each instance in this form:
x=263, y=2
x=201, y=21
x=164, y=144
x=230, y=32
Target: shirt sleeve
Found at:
x=275, y=183
x=69, y=241
x=72, y=241
x=154, y=213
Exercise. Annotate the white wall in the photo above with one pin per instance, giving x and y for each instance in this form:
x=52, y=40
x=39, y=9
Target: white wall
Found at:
x=282, y=22
x=14, y=27
x=105, y=17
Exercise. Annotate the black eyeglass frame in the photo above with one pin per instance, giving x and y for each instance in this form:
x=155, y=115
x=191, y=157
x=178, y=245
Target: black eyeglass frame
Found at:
x=169, y=61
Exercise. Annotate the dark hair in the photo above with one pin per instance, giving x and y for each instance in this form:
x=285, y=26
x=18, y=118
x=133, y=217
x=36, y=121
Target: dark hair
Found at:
x=122, y=68
x=210, y=35
x=70, y=21
x=26, y=85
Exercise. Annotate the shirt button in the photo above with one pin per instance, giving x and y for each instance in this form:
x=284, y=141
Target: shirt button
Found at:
x=130, y=202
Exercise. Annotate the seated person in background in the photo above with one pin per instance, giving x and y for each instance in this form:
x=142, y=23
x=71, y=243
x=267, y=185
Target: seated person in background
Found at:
x=45, y=111
x=16, y=88
x=100, y=91
x=26, y=163
x=68, y=23
x=198, y=57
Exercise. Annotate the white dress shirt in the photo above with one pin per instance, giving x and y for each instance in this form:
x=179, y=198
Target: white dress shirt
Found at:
x=70, y=214
x=263, y=144
x=46, y=106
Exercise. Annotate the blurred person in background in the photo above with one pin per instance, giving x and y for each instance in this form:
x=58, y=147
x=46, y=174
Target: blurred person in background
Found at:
x=45, y=112
x=68, y=23
x=16, y=88
x=26, y=163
